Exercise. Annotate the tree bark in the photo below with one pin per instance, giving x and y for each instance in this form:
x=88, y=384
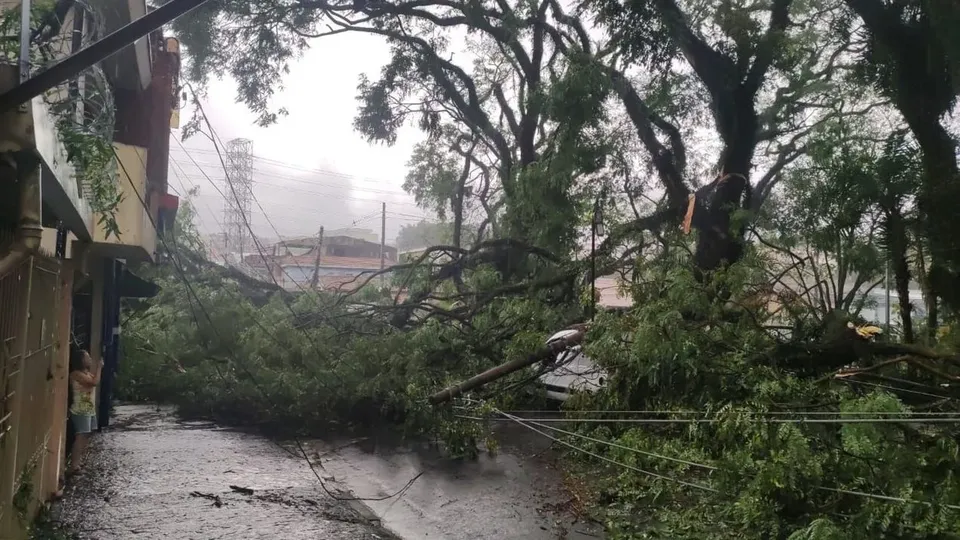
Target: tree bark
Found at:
x=937, y=205
x=901, y=270
x=929, y=297
x=922, y=92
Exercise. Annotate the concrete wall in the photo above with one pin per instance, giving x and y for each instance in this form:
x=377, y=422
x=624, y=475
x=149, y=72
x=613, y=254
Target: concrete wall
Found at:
x=137, y=234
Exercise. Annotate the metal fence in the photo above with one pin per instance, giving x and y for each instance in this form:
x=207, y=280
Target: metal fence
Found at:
x=32, y=379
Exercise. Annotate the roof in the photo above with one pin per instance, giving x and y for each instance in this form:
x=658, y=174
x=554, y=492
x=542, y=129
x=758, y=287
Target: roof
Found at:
x=342, y=283
x=330, y=261
x=306, y=241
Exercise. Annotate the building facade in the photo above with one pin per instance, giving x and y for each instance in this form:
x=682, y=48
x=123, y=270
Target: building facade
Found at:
x=339, y=261
x=64, y=264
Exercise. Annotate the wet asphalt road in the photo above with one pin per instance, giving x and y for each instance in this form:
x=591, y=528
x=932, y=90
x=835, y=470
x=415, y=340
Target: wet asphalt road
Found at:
x=152, y=477
x=518, y=493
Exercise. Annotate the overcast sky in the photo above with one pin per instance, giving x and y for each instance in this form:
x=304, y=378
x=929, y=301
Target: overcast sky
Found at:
x=311, y=168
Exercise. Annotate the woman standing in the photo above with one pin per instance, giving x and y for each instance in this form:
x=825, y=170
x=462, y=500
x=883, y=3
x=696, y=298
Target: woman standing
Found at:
x=84, y=379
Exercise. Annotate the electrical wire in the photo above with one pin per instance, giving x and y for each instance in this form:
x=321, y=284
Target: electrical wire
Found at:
x=256, y=241
x=249, y=374
x=215, y=138
x=320, y=183
x=278, y=163
x=894, y=388
x=885, y=497
x=327, y=195
x=604, y=458
x=233, y=295
x=922, y=420
x=592, y=454
x=622, y=447
x=756, y=413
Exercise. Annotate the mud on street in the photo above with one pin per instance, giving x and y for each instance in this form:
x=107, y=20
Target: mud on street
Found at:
x=154, y=477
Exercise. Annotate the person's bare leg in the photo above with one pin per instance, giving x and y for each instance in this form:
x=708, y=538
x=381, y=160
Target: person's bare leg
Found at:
x=76, y=455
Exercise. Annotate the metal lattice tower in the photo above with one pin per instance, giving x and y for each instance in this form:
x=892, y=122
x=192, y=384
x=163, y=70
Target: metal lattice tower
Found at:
x=239, y=194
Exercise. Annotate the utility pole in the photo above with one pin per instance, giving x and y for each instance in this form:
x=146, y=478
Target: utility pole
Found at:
x=316, y=262
x=239, y=183
x=383, y=239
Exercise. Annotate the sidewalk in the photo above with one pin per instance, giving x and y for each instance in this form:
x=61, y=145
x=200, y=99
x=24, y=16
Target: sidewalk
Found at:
x=151, y=477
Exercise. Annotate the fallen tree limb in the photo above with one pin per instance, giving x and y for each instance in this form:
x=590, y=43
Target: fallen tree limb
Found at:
x=505, y=369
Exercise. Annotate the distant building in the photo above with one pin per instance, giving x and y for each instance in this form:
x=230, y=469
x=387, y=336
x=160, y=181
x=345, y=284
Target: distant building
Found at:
x=343, y=260
x=359, y=234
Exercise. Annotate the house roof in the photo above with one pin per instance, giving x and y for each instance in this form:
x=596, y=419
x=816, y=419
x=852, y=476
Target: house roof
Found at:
x=330, y=261
x=341, y=283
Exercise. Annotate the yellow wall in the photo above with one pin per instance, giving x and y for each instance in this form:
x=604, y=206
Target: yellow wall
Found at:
x=136, y=228
x=48, y=242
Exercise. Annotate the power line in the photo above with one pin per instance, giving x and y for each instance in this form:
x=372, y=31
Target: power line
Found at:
x=250, y=375
x=321, y=309
x=283, y=165
x=885, y=497
x=752, y=413
x=622, y=447
x=315, y=182
x=920, y=420
x=325, y=194
x=604, y=458
x=530, y=425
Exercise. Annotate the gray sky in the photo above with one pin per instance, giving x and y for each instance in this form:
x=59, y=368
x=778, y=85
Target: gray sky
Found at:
x=311, y=168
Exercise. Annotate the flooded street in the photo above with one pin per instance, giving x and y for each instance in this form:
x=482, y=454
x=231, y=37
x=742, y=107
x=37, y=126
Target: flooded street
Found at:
x=154, y=477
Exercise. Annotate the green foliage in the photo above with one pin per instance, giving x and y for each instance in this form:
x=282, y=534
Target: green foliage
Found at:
x=677, y=350
x=93, y=156
x=548, y=203
x=881, y=65
x=432, y=176
x=88, y=139
x=423, y=234
x=265, y=37
x=329, y=368
x=24, y=498
x=845, y=203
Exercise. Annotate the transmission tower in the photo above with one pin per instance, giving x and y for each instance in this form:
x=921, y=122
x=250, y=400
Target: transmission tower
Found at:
x=239, y=193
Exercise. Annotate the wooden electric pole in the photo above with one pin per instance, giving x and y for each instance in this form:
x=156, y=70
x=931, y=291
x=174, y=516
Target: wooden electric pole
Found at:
x=316, y=261
x=549, y=351
x=383, y=239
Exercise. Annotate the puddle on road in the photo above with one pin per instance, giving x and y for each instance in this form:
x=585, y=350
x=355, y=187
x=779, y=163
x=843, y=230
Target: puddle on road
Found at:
x=507, y=496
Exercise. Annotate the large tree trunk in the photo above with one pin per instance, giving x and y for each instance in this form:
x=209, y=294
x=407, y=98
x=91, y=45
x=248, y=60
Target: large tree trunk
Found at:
x=721, y=240
x=456, y=203
x=929, y=297
x=901, y=269
x=901, y=276
x=922, y=92
x=937, y=204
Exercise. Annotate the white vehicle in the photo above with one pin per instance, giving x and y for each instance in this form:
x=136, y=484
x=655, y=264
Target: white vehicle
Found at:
x=571, y=372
